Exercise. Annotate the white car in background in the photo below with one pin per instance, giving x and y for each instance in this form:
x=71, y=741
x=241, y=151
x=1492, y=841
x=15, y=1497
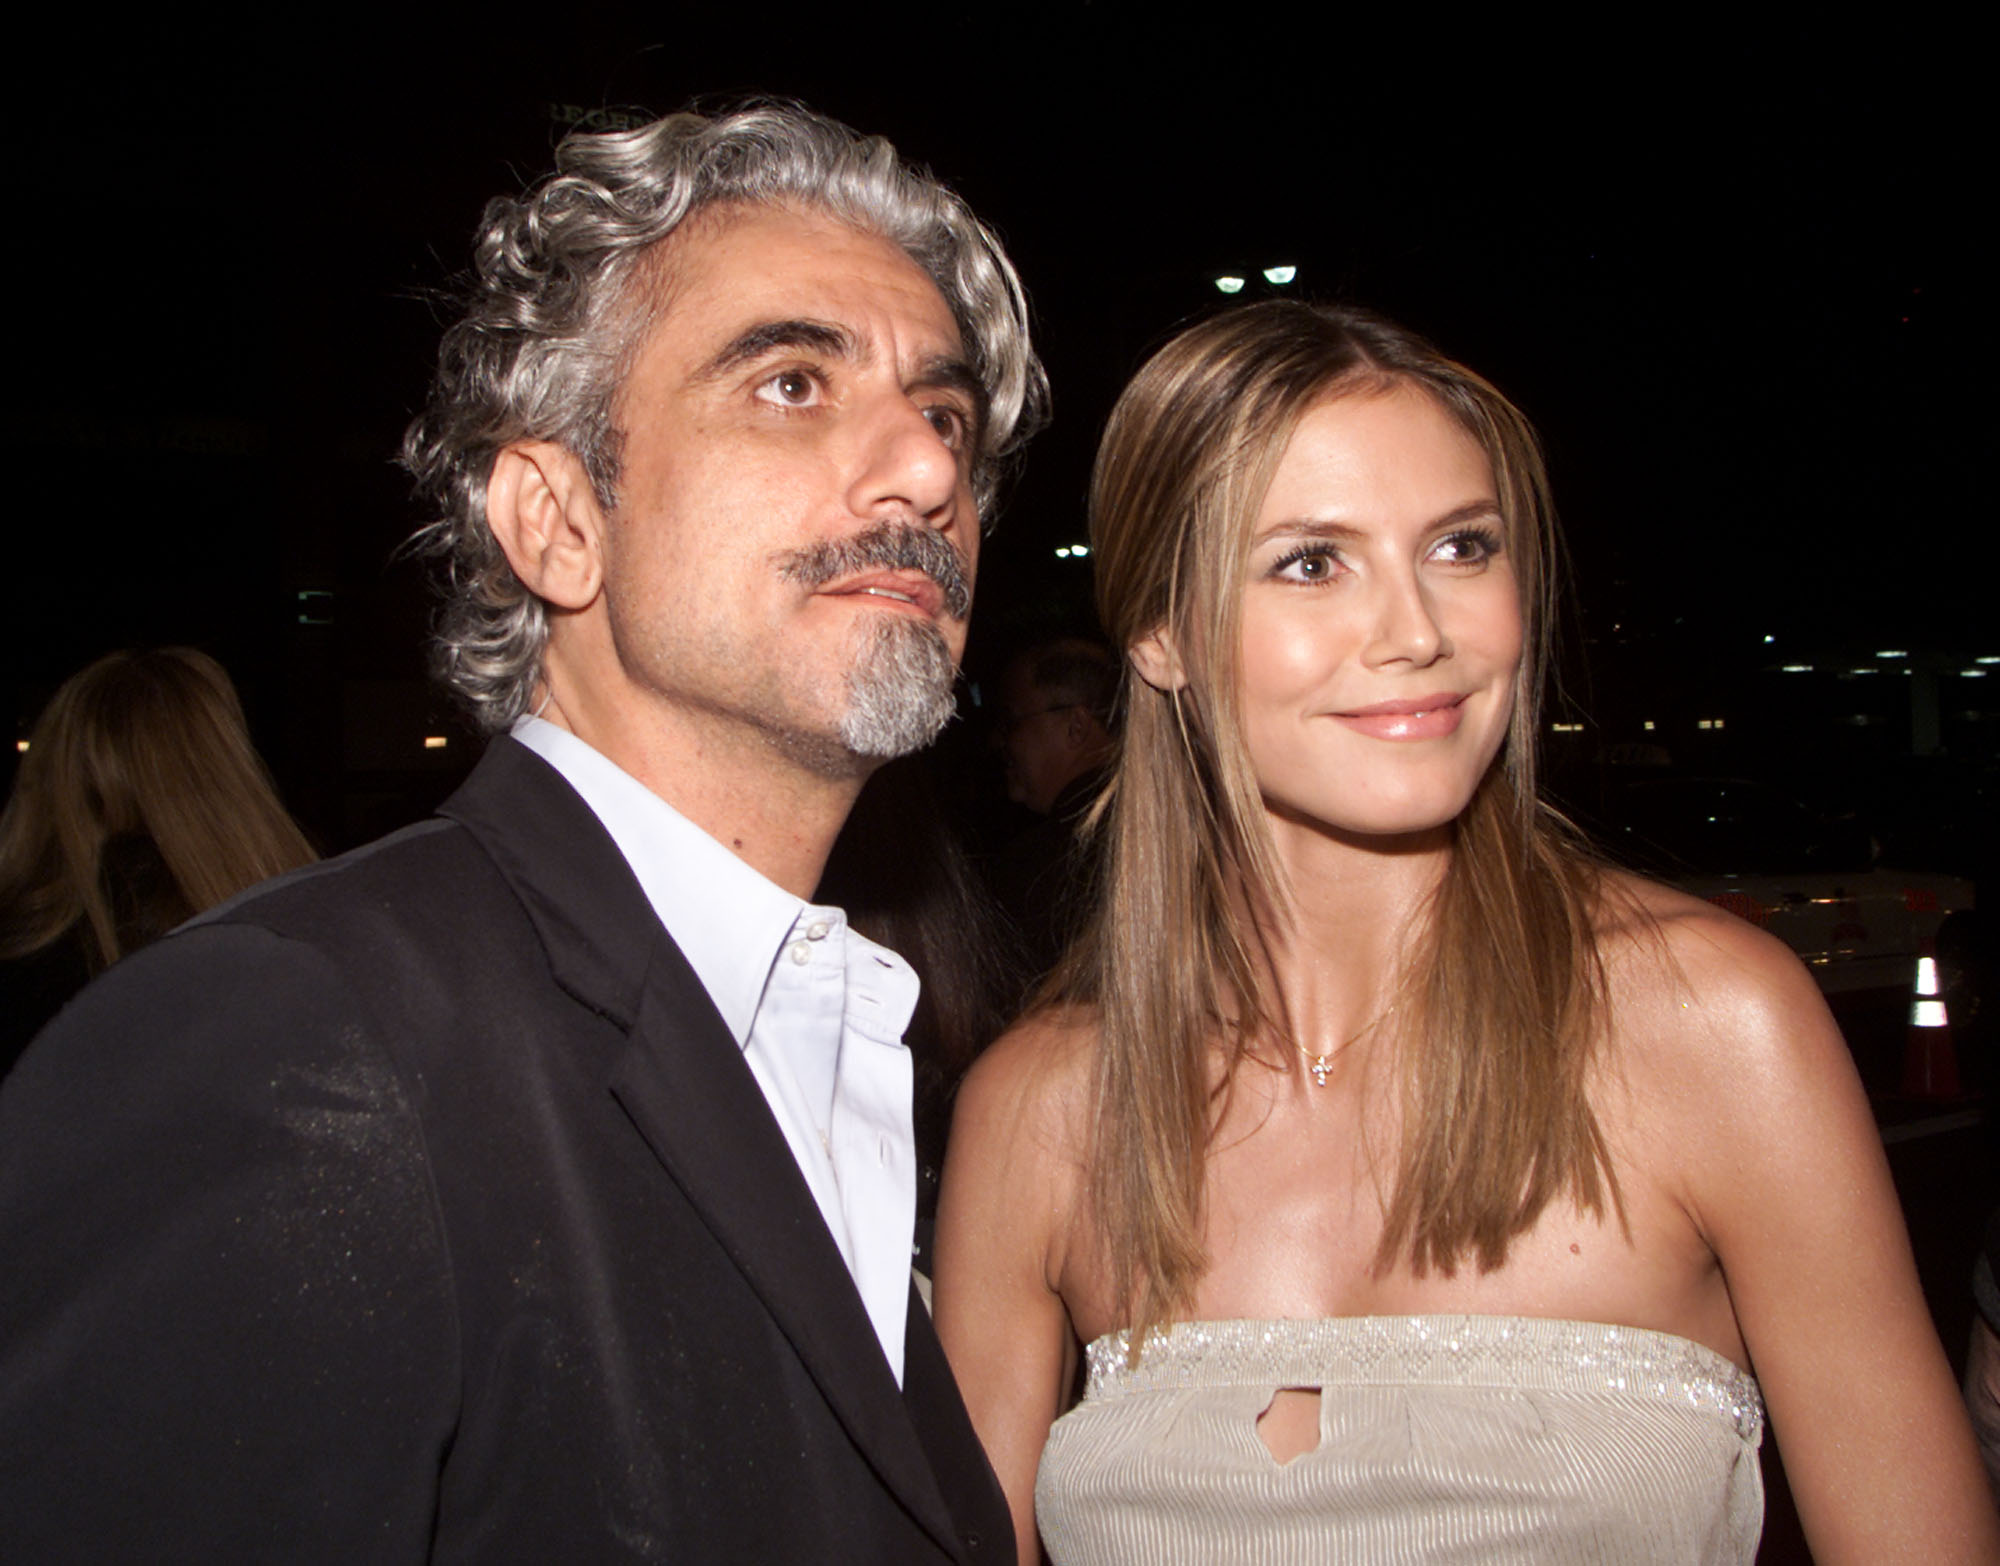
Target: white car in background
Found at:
x=1811, y=882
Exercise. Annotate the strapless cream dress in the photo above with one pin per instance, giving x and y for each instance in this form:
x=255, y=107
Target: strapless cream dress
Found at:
x=1475, y=1439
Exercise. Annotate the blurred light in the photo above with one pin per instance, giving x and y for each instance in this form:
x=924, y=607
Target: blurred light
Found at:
x=1768, y=640
x=1280, y=275
x=1864, y=671
x=1796, y=668
x=1647, y=725
x=1927, y=1014
x=1567, y=728
x=1230, y=285
x=1986, y=660
x=434, y=742
x=1893, y=652
x=1927, y=976
x=21, y=746
x=1062, y=551
x=1706, y=723
x=1972, y=674
x=1079, y=550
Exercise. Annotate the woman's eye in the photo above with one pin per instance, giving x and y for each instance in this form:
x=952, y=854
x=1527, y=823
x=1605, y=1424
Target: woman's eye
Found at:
x=1307, y=565
x=1467, y=548
x=790, y=388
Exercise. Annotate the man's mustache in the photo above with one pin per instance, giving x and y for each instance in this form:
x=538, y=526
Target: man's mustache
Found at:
x=885, y=546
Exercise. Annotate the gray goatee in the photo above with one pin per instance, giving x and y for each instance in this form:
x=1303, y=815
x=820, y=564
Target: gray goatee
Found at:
x=899, y=690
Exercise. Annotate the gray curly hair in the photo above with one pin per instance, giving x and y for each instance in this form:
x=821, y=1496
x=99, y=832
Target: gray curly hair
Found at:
x=552, y=318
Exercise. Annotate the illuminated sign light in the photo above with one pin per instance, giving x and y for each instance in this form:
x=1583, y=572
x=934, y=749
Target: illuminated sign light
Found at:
x=1567, y=728
x=1647, y=725
x=1280, y=275
x=434, y=742
x=1230, y=285
x=1708, y=723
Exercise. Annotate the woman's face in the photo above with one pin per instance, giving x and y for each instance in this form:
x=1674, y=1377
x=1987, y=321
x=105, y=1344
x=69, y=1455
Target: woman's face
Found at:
x=1381, y=619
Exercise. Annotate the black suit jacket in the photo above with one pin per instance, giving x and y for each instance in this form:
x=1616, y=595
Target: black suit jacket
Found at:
x=419, y=1206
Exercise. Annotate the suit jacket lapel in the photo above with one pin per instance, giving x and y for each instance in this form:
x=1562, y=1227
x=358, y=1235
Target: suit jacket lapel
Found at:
x=687, y=1089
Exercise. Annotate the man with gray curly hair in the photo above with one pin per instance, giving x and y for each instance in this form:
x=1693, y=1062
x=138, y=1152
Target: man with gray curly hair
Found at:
x=539, y=1183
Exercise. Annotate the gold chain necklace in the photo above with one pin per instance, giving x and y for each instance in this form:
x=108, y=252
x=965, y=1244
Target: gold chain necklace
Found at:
x=1321, y=1065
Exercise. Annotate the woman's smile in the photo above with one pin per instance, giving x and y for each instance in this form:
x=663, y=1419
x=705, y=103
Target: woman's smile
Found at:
x=1423, y=718
x=1382, y=632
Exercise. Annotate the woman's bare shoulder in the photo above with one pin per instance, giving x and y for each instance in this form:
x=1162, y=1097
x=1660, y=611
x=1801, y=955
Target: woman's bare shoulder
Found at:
x=1037, y=1077
x=1664, y=948
x=1710, y=1011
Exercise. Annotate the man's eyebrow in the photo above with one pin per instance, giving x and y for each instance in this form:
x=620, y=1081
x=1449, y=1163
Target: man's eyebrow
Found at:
x=949, y=372
x=820, y=337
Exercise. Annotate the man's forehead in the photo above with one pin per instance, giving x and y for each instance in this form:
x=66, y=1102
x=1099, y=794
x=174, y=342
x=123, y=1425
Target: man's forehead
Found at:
x=731, y=272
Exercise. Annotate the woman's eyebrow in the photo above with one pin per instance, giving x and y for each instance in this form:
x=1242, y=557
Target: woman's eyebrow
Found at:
x=1323, y=527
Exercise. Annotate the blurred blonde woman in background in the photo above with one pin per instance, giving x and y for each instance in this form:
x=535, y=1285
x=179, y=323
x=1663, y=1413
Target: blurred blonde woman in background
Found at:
x=139, y=803
x=1423, y=1188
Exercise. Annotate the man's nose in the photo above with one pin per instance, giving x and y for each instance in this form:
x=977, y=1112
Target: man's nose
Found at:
x=904, y=466
x=1407, y=627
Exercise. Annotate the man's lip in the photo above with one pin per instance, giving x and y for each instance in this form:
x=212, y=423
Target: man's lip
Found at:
x=910, y=590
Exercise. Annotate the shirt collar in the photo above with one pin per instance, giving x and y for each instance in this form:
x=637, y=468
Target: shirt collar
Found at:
x=728, y=920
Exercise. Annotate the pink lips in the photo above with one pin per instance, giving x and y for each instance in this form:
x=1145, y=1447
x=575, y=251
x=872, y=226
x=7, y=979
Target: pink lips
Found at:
x=1425, y=717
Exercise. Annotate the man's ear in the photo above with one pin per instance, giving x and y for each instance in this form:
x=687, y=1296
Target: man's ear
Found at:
x=1158, y=660
x=545, y=517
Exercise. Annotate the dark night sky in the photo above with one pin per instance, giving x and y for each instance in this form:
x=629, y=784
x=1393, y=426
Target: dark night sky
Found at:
x=1736, y=292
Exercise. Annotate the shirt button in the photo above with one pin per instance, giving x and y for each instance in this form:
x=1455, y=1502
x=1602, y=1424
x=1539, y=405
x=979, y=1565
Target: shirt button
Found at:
x=817, y=932
x=801, y=953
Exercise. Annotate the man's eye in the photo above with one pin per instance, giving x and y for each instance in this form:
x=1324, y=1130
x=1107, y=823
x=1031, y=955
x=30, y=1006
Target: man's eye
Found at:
x=949, y=423
x=791, y=388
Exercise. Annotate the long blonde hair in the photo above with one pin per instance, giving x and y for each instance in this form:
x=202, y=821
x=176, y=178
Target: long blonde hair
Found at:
x=139, y=744
x=1504, y=990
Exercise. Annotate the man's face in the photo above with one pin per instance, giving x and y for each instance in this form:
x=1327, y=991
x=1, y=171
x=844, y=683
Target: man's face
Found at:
x=1042, y=741
x=792, y=553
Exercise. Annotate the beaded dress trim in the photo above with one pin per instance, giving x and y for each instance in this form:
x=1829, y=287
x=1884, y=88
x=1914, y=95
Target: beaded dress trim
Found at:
x=1505, y=1351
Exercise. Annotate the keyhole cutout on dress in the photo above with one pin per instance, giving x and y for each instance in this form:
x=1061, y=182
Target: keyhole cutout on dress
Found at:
x=1289, y=1427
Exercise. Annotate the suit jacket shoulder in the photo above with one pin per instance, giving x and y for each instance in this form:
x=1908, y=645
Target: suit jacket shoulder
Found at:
x=417, y=1205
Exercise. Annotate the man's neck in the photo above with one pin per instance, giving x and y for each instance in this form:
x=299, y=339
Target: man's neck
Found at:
x=741, y=788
